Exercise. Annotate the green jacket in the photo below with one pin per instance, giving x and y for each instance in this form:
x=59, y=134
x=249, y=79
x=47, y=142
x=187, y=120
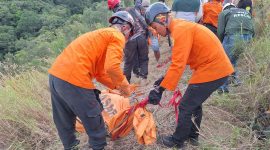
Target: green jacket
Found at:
x=186, y=5
x=234, y=21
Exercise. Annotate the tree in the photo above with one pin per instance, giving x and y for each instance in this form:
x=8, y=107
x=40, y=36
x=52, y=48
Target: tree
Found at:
x=6, y=17
x=74, y=6
x=7, y=39
x=29, y=24
x=96, y=16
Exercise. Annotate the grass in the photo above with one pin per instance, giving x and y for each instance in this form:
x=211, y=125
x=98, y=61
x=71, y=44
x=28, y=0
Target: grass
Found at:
x=25, y=112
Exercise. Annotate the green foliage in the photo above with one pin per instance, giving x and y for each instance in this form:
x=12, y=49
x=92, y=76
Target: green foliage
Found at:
x=29, y=24
x=7, y=39
x=74, y=6
x=96, y=16
x=6, y=16
x=50, y=22
x=226, y=102
x=128, y=3
x=24, y=20
x=38, y=32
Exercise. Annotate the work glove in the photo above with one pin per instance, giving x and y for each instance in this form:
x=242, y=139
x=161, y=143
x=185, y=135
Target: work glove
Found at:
x=124, y=88
x=155, y=95
x=158, y=82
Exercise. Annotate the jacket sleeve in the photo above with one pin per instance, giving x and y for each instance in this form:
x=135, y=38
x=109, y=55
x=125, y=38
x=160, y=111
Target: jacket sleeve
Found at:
x=114, y=57
x=221, y=26
x=105, y=80
x=180, y=54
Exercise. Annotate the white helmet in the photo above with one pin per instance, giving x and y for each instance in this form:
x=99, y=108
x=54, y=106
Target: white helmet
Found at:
x=228, y=4
x=145, y=3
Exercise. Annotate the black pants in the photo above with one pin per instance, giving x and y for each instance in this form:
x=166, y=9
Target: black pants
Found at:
x=211, y=27
x=136, y=57
x=69, y=101
x=191, y=104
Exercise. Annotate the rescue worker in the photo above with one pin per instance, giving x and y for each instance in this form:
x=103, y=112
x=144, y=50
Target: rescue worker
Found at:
x=93, y=55
x=196, y=46
x=235, y=28
x=245, y=4
x=186, y=9
x=211, y=10
x=136, y=49
x=153, y=36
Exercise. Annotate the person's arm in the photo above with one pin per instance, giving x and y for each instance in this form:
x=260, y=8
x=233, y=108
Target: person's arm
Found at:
x=155, y=46
x=154, y=43
x=221, y=26
x=180, y=54
x=105, y=80
x=114, y=57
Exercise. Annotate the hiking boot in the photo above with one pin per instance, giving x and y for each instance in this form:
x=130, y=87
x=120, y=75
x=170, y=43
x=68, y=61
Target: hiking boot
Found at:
x=137, y=75
x=223, y=90
x=89, y=147
x=236, y=81
x=194, y=141
x=168, y=141
x=75, y=146
x=143, y=76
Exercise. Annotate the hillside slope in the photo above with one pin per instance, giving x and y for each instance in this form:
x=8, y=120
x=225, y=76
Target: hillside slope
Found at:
x=25, y=109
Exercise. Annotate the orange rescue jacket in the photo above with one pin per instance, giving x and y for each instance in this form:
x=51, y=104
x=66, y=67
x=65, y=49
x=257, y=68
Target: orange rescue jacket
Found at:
x=95, y=54
x=211, y=10
x=195, y=45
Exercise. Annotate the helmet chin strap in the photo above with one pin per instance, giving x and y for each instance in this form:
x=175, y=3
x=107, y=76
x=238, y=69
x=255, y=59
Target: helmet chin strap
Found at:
x=120, y=28
x=168, y=32
x=126, y=32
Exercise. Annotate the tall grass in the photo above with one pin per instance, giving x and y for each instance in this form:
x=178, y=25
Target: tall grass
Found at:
x=245, y=102
x=25, y=112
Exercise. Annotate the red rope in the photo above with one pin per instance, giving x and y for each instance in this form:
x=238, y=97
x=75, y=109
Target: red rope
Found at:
x=131, y=110
x=162, y=64
x=175, y=103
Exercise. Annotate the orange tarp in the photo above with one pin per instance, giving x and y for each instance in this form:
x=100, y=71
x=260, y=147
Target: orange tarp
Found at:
x=121, y=118
x=144, y=126
x=113, y=104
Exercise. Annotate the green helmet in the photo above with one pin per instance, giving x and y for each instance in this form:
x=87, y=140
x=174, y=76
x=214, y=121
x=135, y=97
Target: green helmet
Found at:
x=155, y=9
